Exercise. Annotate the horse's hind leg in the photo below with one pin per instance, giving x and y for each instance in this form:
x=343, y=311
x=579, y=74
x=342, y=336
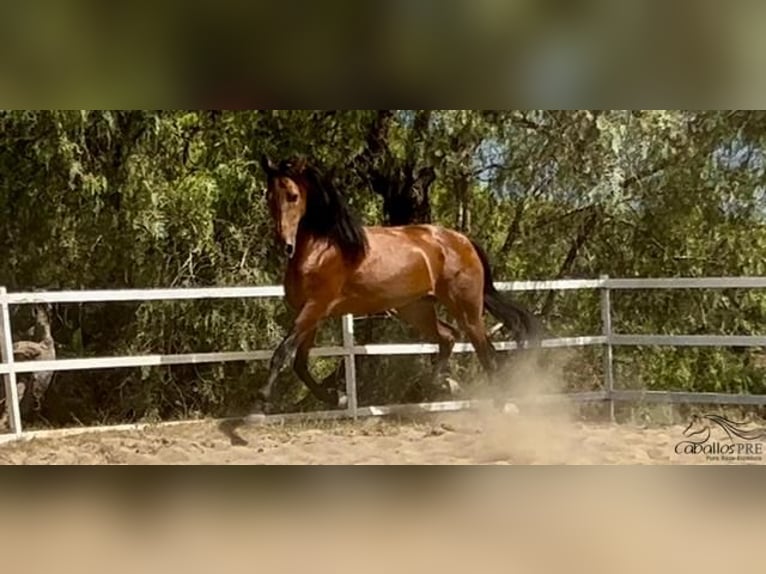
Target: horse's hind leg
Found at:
x=422, y=316
x=468, y=311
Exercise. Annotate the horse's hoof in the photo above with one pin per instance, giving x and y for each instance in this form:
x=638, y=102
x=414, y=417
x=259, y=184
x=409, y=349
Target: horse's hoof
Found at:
x=452, y=386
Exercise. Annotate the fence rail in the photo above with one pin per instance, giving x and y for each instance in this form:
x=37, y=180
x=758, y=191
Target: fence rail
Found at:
x=349, y=350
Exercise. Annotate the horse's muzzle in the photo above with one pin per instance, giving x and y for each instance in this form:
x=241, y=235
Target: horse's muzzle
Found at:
x=289, y=249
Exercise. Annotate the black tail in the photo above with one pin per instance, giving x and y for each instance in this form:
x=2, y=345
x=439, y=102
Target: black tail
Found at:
x=520, y=321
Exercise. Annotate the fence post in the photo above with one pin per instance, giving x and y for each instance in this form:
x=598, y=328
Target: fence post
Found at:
x=6, y=351
x=606, y=330
x=350, y=359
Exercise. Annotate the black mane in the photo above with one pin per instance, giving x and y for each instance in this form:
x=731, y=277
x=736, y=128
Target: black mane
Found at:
x=327, y=213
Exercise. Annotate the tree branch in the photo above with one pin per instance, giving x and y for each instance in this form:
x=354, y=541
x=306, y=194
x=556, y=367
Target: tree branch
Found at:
x=583, y=234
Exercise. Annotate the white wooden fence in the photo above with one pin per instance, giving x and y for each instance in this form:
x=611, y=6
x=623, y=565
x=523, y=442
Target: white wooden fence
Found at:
x=349, y=350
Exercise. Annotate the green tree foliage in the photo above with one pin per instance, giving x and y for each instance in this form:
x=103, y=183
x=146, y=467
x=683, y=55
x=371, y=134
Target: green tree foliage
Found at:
x=121, y=199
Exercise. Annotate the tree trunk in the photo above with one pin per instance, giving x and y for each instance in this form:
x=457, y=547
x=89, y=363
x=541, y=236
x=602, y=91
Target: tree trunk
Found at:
x=583, y=234
x=514, y=230
x=404, y=188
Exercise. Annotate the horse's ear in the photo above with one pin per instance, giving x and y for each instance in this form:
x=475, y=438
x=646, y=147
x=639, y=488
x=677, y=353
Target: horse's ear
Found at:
x=268, y=165
x=300, y=164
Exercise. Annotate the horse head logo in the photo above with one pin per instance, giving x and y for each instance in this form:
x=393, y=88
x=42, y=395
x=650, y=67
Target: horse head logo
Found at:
x=700, y=428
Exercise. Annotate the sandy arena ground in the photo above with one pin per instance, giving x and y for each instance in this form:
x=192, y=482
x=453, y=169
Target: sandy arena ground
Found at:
x=456, y=438
x=550, y=434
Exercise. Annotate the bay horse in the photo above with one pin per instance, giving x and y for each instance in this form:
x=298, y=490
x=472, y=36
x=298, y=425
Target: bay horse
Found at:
x=338, y=266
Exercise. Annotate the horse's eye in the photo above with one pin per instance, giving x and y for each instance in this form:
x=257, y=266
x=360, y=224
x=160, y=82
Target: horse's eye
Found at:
x=292, y=197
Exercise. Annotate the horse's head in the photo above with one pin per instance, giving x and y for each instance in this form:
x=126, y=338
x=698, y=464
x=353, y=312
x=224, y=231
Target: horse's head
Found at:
x=286, y=193
x=699, y=425
x=302, y=198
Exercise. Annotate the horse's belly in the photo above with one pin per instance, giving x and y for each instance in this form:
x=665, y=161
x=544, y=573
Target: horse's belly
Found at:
x=372, y=305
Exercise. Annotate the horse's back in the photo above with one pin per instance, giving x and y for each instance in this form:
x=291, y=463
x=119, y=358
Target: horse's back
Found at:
x=446, y=252
x=428, y=232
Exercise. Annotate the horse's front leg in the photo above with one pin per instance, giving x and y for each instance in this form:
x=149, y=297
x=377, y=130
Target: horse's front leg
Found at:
x=330, y=396
x=302, y=331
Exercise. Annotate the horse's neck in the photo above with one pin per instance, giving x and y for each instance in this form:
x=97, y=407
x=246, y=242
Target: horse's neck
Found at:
x=306, y=241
